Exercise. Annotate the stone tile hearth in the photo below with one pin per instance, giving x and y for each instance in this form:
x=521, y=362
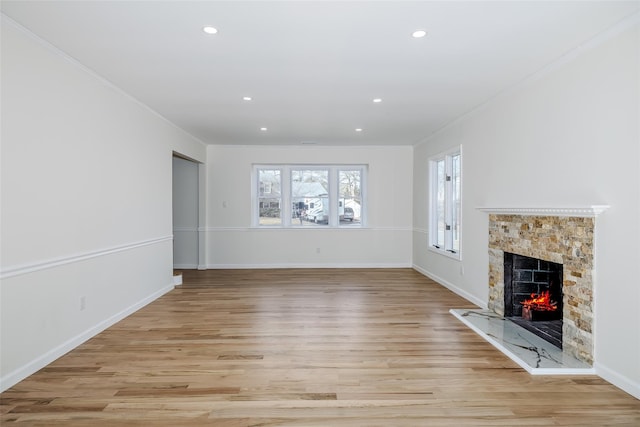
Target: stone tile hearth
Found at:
x=532, y=353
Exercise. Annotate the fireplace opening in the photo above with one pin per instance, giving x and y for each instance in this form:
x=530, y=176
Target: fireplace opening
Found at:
x=533, y=295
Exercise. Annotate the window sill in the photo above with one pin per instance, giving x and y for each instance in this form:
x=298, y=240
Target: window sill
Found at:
x=294, y=227
x=455, y=256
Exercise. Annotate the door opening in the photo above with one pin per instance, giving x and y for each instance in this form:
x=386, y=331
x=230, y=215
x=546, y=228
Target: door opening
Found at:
x=185, y=214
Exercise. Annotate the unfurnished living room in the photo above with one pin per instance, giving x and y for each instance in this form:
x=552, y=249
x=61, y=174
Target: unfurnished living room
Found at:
x=320, y=213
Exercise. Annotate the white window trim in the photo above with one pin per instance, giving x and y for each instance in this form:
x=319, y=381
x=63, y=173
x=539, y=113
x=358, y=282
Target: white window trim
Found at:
x=433, y=190
x=285, y=196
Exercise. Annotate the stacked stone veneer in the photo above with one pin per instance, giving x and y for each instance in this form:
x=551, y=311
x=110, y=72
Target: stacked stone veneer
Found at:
x=564, y=240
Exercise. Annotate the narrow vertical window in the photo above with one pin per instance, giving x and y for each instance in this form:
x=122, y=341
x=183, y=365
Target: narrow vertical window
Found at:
x=446, y=203
x=350, y=197
x=440, y=178
x=269, y=197
x=455, y=202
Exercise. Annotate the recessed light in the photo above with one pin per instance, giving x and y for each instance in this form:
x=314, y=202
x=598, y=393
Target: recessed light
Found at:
x=418, y=34
x=247, y=98
x=377, y=100
x=263, y=129
x=358, y=129
x=210, y=30
x=308, y=143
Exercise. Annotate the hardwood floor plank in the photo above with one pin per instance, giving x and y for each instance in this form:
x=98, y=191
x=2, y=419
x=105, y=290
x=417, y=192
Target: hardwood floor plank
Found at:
x=313, y=347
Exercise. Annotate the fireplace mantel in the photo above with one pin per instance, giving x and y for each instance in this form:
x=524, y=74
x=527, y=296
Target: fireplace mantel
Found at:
x=584, y=211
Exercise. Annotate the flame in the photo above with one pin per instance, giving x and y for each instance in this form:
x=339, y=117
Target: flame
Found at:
x=540, y=302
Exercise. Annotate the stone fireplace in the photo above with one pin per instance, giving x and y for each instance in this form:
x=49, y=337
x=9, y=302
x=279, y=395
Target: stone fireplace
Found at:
x=562, y=236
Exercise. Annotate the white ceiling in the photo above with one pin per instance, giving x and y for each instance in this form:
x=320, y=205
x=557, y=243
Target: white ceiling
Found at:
x=313, y=68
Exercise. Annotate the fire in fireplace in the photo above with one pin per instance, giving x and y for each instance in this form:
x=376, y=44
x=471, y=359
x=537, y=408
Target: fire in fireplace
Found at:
x=539, y=307
x=533, y=295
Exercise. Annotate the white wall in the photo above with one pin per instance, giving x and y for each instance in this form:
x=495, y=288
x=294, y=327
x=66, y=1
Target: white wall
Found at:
x=569, y=138
x=86, y=204
x=185, y=214
x=385, y=241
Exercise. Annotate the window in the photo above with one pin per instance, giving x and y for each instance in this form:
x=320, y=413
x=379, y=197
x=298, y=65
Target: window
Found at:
x=350, y=195
x=310, y=196
x=269, y=196
x=445, y=171
x=320, y=196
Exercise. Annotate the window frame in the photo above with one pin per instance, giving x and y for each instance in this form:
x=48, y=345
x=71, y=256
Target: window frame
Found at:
x=450, y=219
x=286, y=198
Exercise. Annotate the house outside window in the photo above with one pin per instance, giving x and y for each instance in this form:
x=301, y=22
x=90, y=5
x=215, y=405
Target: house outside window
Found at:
x=269, y=196
x=445, y=172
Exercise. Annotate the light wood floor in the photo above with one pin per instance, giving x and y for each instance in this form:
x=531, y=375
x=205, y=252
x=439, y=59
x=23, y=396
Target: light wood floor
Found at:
x=304, y=348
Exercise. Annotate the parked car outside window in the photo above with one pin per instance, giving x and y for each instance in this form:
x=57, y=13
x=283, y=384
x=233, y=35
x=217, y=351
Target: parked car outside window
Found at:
x=348, y=214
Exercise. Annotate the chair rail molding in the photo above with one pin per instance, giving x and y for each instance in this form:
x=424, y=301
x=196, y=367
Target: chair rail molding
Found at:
x=18, y=270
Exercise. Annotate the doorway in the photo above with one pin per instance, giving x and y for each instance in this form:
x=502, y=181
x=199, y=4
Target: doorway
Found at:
x=185, y=213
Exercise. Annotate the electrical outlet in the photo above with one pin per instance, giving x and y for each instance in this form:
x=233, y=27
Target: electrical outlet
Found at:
x=83, y=303
x=317, y=250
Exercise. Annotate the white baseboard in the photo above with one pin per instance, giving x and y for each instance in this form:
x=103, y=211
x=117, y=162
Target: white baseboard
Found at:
x=618, y=380
x=35, y=365
x=276, y=266
x=453, y=288
x=185, y=266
